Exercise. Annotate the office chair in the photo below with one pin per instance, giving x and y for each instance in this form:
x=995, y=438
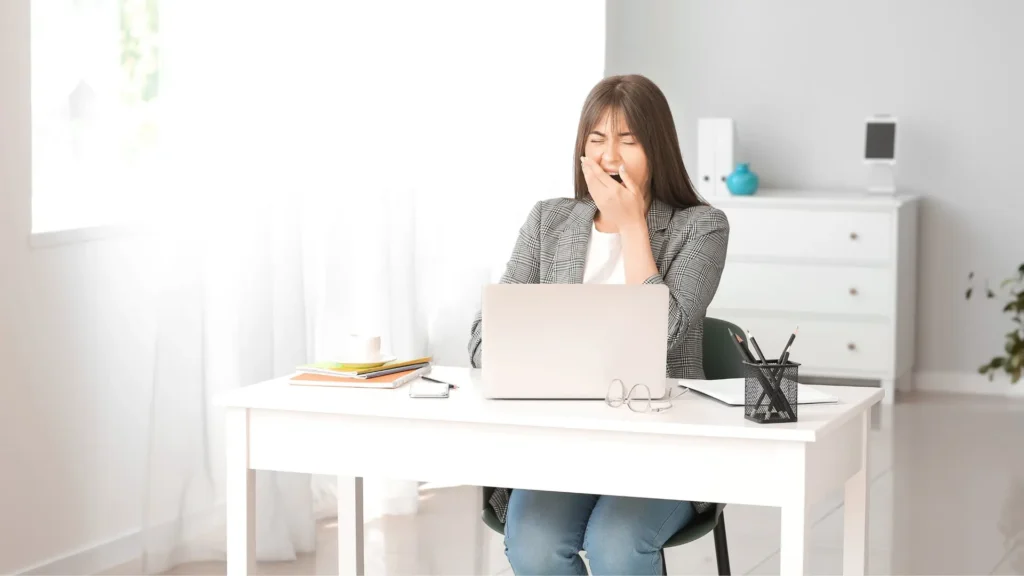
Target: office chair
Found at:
x=721, y=360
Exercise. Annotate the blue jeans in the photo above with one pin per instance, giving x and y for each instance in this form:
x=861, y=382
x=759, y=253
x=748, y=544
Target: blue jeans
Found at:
x=545, y=531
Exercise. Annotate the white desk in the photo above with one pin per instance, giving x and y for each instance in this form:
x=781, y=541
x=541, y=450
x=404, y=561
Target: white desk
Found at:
x=699, y=450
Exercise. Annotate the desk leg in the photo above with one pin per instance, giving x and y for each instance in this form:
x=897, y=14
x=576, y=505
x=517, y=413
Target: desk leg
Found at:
x=241, y=495
x=888, y=385
x=481, y=560
x=350, y=525
x=855, y=507
x=795, y=525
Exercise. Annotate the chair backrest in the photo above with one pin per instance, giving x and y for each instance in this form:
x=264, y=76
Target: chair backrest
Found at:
x=721, y=360
x=721, y=357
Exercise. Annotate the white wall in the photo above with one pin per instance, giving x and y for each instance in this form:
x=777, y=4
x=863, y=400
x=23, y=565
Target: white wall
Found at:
x=74, y=328
x=800, y=76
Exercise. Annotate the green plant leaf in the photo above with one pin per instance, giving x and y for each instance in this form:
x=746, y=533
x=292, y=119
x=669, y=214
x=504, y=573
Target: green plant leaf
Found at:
x=1012, y=363
x=1017, y=345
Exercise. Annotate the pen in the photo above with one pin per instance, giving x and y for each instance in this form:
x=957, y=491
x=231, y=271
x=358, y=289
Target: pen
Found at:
x=429, y=379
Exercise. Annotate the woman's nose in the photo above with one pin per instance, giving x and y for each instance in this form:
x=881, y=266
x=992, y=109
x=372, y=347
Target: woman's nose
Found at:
x=610, y=157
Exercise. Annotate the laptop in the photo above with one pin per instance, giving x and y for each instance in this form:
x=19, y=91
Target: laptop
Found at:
x=570, y=341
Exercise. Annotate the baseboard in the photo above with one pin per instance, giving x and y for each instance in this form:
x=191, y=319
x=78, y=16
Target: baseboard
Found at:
x=123, y=548
x=92, y=559
x=967, y=383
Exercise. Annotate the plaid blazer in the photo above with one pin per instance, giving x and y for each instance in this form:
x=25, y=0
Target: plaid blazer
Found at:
x=689, y=248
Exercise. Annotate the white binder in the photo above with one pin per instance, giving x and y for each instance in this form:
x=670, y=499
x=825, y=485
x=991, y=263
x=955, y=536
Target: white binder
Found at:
x=715, y=147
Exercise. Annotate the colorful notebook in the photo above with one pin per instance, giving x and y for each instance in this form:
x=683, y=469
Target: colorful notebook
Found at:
x=387, y=381
x=335, y=369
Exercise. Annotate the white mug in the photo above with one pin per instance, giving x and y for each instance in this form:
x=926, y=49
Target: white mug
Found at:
x=361, y=348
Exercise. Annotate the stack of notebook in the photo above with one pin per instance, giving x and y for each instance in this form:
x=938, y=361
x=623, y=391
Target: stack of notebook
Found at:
x=385, y=375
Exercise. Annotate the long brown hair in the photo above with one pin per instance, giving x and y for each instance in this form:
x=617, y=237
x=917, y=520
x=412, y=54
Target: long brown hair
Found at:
x=650, y=120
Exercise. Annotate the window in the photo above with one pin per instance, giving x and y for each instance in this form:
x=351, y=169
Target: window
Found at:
x=143, y=103
x=95, y=106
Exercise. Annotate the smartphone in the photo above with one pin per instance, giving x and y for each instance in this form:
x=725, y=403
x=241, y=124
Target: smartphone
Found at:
x=420, y=388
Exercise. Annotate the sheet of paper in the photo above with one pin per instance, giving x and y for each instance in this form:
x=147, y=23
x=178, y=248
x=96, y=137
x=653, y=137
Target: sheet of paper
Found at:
x=731, y=391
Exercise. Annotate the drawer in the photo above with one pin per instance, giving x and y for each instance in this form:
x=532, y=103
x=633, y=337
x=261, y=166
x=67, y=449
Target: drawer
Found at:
x=814, y=234
x=822, y=347
x=788, y=288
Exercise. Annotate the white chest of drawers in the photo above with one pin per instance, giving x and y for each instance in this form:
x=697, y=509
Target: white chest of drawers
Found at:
x=840, y=266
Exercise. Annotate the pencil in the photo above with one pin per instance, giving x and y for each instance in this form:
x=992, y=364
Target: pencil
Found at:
x=777, y=374
x=780, y=397
x=738, y=342
x=756, y=348
x=789, y=343
x=767, y=389
x=752, y=360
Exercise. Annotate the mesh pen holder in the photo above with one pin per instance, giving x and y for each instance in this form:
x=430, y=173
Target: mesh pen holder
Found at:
x=770, y=392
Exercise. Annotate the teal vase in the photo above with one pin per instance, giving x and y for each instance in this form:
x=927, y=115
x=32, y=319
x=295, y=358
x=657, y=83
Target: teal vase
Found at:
x=742, y=182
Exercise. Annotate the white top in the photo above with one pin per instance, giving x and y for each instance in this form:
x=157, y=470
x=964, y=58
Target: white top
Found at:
x=604, y=259
x=692, y=414
x=832, y=199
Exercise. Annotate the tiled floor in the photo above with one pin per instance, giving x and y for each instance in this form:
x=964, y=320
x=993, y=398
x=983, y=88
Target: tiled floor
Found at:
x=946, y=497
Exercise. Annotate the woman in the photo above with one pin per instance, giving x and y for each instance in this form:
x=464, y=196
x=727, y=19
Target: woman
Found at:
x=636, y=219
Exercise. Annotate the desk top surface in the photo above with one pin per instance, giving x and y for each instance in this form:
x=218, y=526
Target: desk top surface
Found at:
x=692, y=414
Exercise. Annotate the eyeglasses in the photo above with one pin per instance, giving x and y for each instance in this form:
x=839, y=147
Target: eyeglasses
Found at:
x=638, y=399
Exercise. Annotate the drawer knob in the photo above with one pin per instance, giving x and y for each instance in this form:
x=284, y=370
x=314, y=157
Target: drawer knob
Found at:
x=853, y=291
x=851, y=346
x=853, y=236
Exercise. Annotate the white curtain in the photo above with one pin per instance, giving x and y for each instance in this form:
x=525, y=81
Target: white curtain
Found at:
x=329, y=168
